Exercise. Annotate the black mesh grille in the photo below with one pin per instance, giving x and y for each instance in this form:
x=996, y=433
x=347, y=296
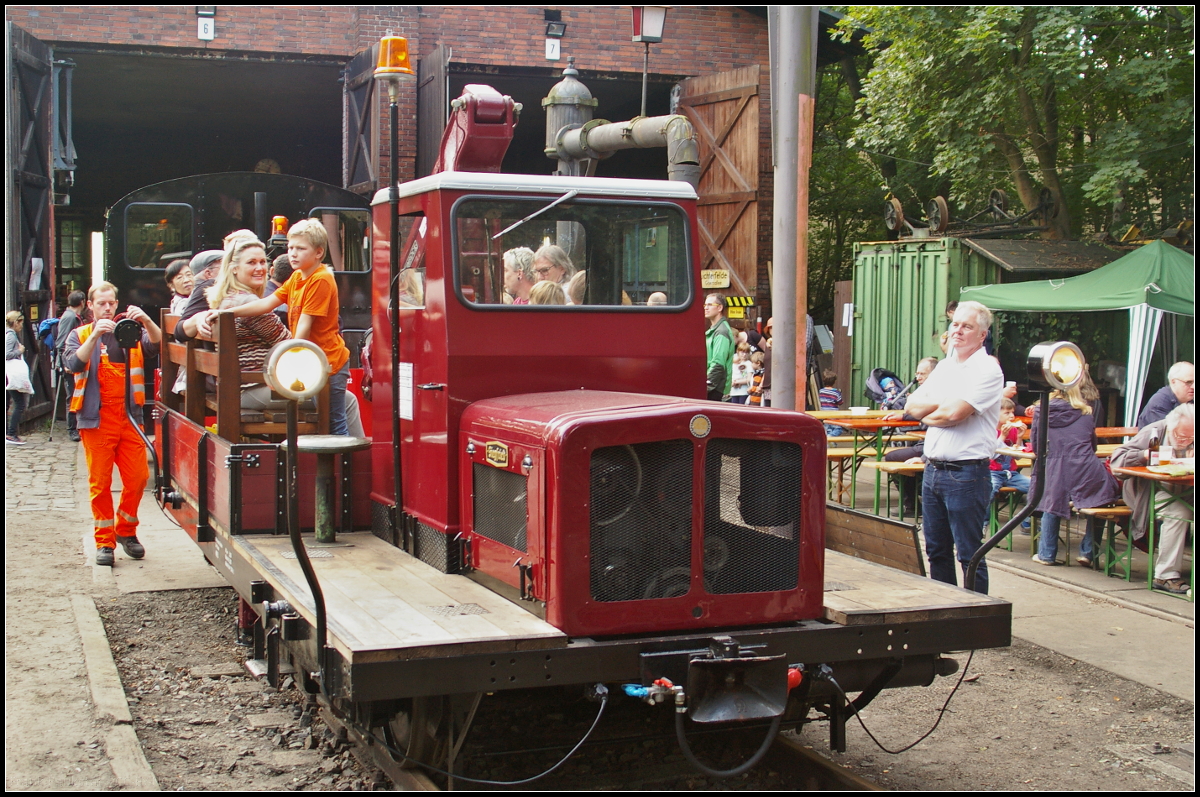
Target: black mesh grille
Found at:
x=641, y=521
x=751, y=516
x=381, y=522
x=500, y=506
x=436, y=549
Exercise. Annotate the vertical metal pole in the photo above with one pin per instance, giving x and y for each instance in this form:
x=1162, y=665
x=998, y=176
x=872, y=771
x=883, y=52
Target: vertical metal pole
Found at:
x=645, y=74
x=394, y=307
x=310, y=576
x=793, y=73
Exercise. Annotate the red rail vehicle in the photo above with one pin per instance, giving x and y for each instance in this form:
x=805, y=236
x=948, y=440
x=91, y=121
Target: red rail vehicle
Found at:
x=547, y=500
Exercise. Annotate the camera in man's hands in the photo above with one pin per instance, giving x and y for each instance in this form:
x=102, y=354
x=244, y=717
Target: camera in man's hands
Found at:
x=128, y=333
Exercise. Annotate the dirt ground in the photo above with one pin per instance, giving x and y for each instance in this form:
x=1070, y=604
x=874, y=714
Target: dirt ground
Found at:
x=1027, y=718
x=203, y=722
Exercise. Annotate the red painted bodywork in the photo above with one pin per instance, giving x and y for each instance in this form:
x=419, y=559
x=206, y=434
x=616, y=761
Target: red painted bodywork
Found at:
x=559, y=431
x=477, y=354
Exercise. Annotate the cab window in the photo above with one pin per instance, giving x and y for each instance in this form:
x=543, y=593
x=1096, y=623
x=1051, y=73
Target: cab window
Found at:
x=157, y=233
x=592, y=253
x=349, y=237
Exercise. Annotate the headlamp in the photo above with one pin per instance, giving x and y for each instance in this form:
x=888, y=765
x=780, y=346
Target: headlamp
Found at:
x=1058, y=365
x=296, y=369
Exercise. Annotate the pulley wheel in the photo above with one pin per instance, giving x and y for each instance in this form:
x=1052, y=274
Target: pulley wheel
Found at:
x=893, y=215
x=938, y=212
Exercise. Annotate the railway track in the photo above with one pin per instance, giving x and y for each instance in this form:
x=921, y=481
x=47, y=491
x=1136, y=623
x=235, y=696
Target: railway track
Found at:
x=628, y=755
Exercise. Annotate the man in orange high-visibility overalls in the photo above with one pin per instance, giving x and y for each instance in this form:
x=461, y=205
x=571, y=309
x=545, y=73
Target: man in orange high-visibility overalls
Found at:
x=99, y=363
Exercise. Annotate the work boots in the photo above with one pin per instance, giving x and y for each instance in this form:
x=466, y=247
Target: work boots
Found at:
x=132, y=548
x=104, y=557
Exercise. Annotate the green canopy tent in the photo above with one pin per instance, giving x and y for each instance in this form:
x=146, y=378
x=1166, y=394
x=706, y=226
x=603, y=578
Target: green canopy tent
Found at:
x=1155, y=279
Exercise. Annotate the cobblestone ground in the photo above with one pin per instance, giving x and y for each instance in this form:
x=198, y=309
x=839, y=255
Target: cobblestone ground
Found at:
x=39, y=476
x=53, y=739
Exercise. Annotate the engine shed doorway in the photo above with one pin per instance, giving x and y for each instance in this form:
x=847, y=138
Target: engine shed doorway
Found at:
x=144, y=118
x=148, y=116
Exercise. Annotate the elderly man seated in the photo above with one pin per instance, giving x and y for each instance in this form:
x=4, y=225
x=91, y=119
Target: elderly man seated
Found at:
x=1180, y=389
x=1178, y=431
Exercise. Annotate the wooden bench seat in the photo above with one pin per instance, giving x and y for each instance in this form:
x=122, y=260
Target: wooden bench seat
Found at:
x=198, y=403
x=876, y=539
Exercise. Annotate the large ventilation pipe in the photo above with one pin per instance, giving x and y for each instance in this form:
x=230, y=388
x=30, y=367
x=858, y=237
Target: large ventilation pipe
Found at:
x=578, y=142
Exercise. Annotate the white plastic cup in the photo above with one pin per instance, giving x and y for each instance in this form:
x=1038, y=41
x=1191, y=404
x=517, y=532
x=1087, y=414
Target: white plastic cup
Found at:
x=859, y=410
x=1165, y=455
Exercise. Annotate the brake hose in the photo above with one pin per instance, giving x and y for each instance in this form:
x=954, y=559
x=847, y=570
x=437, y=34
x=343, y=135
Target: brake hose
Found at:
x=772, y=732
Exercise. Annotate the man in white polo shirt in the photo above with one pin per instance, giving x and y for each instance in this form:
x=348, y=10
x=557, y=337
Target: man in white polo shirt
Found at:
x=960, y=403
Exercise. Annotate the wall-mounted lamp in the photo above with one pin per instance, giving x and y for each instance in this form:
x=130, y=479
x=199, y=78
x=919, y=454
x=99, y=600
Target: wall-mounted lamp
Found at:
x=555, y=30
x=206, y=23
x=648, y=24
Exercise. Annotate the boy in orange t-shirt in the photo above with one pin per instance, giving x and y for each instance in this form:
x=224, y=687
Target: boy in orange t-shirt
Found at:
x=311, y=295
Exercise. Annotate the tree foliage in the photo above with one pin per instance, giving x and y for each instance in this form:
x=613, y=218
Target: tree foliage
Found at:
x=1093, y=103
x=844, y=194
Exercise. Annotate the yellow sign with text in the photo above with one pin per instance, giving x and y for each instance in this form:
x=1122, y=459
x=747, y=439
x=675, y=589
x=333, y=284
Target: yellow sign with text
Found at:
x=714, y=278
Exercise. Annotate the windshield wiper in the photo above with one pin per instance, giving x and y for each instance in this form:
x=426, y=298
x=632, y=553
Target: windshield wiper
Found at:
x=569, y=195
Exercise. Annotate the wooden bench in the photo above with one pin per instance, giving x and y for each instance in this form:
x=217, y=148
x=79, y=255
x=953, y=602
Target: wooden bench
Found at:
x=1108, y=517
x=873, y=538
x=232, y=421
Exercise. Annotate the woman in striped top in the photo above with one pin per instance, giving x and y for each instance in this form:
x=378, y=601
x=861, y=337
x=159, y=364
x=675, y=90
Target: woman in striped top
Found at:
x=242, y=279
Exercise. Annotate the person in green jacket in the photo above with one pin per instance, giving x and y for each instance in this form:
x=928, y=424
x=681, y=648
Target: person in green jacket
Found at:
x=718, y=340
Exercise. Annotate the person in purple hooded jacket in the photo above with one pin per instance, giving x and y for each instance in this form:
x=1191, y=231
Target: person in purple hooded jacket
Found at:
x=1074, y=474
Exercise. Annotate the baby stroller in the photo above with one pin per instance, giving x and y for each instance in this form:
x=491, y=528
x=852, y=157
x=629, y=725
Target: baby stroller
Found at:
x=887, y=389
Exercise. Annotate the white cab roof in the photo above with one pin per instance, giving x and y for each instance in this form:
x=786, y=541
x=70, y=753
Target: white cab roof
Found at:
x=541, y=184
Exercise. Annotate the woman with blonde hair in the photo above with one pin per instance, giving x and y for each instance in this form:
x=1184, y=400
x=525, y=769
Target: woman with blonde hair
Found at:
x=243, y=279
x=1074, y=474
x=547, y=292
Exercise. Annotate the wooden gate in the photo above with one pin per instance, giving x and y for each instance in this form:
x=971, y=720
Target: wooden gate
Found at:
x=360, y=124
x=29, y=206
x=433, y=106
x=724, y=109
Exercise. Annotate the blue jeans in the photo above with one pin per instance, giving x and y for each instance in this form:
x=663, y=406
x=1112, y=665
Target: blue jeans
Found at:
x=956, y=510
x=1048, y=539
x=1009, y=478
x=19, y=402
x=337, y=401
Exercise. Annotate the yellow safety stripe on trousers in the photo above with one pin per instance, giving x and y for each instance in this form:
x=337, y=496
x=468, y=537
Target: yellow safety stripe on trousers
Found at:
x=105, y=524
x=130, y=518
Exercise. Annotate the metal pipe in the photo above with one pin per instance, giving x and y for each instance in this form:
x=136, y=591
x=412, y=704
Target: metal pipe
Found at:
x=394, y=318
x=262, y=224
x=600, y=138
x=784, y=32
x=792, y=42
x=645, y=75
x=310, y=575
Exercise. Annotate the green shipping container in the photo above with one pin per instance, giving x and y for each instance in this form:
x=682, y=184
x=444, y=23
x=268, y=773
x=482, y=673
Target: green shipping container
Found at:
x=901, y=289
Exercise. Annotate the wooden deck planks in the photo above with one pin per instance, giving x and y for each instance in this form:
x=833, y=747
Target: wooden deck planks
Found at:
x=389, y=605
x=880, y=594
x=385, y=605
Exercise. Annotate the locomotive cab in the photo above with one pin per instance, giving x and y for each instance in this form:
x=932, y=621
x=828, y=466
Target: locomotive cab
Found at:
x=563, y=453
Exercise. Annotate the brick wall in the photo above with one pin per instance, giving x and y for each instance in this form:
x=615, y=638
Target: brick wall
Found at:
x=698, y=40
